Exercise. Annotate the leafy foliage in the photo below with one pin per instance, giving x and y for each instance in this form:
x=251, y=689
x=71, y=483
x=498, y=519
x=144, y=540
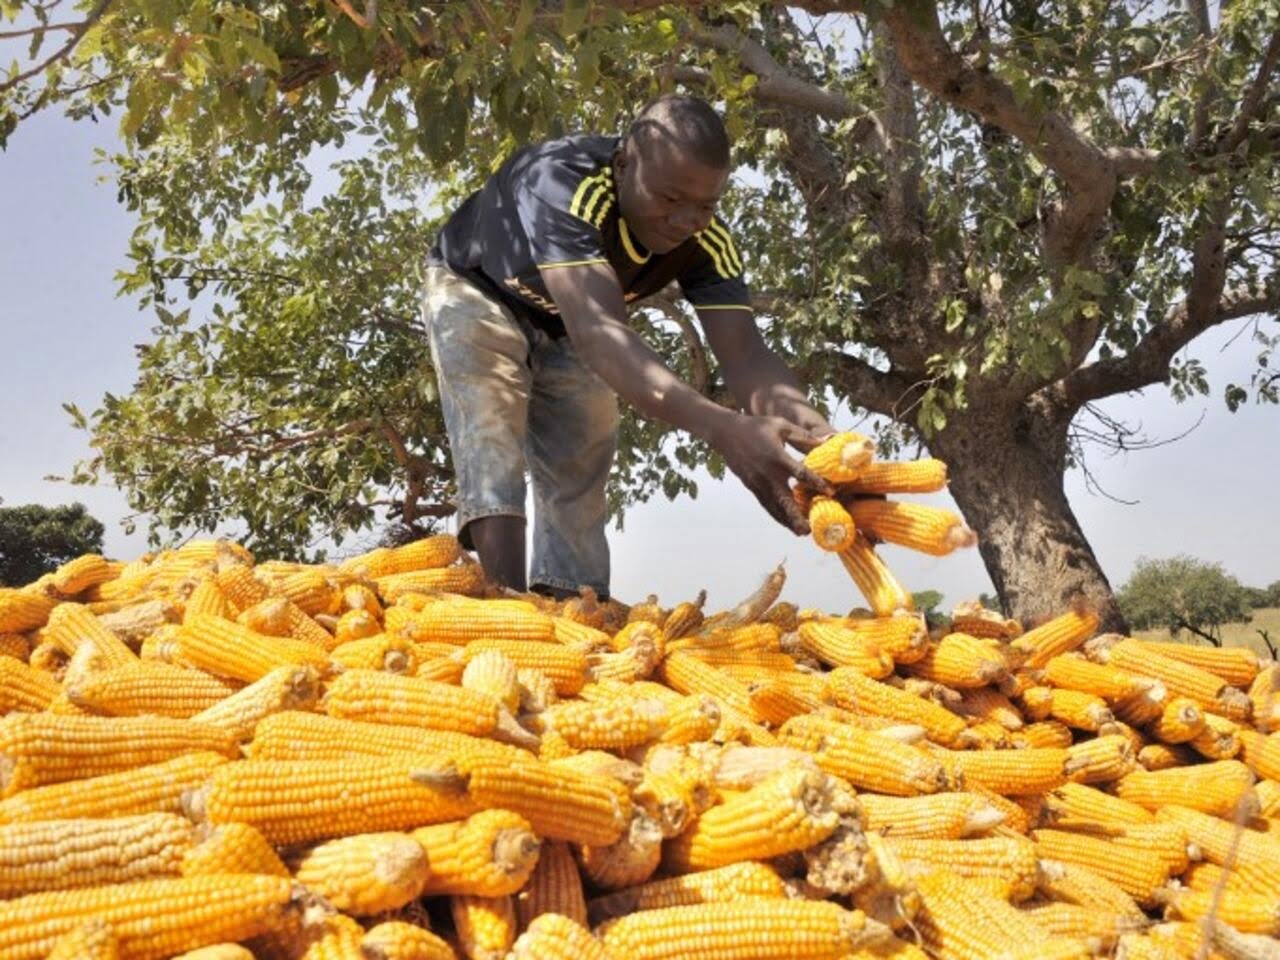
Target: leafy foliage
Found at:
x=35, y=540
x=1183, y=594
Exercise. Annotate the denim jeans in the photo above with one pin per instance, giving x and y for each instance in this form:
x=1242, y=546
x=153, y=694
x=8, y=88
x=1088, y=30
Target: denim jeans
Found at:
x=518, y=401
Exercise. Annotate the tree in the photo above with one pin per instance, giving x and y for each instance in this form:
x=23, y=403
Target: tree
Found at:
x=34, y=540
x=976, y=220
x=1183, y=593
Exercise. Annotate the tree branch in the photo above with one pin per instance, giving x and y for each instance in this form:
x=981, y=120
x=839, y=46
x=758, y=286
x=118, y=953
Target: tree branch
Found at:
x=77, y=32
x=1253, y=96
x=1089, y=174
x=877, y=390
x=1148, y=362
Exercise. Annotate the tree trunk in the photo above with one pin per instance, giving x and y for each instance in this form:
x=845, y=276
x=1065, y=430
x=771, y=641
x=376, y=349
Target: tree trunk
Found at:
x=1006, y=476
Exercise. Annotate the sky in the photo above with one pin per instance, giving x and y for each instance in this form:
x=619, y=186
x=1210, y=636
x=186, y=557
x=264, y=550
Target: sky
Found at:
x=66, y=337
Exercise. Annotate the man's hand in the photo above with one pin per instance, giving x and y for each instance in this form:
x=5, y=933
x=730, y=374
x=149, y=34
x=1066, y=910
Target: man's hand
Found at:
x=755, y=449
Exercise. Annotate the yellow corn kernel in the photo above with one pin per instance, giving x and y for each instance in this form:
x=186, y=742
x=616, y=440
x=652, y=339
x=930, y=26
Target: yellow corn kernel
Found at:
x=850, y=689
x=285, y=688
x=552, y=937
x=231, y=848
x=884, y=594
x=153, y=919
x=841, y=458
x=63, y=854
x=832, y=527
x=865, y=759
x=366, y=873
x=1214, y=788
x=888, y=476
x=629, y=860
x=298, y=801
x=24, y=688
x=21, y=610
x=1061, y=634
x=148, y=687
x=490, y=854
x=486, y=926
x=91, y=940
x=41, y=748
x=85, y=571
x=960, y=661
x=397, y=940
x=554, y=887
x=494, y=673
x=770, y=928
x=941, y=816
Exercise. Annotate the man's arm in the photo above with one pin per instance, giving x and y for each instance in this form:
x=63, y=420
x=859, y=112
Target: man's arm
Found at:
x=594, y=314
x=754, y=374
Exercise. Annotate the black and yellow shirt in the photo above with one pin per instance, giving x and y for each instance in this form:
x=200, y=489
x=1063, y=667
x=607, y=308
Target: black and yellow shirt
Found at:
x=554, y=204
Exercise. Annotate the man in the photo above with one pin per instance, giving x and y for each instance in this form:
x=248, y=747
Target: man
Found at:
x=525, y=305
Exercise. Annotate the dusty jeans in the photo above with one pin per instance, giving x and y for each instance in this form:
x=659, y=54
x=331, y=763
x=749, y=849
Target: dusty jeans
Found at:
x=517, y=400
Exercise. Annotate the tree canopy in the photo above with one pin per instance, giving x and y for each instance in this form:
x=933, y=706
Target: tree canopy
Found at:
x=35, y=540
x=1185, y=596
x=974, y=220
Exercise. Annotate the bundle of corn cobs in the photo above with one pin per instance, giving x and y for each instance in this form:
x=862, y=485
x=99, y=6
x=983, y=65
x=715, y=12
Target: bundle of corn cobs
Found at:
x=201, y=756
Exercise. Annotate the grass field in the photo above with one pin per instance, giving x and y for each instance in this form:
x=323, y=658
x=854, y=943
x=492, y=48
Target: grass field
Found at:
x=1234, y=634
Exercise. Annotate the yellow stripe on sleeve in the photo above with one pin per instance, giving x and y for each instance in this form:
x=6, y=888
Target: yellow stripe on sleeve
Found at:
x=731, y=253
x=723, y=306
x=570, y=263
x=706, y=244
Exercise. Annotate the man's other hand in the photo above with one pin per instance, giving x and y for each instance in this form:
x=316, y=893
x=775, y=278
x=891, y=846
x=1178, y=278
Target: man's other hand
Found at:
x=755, y=449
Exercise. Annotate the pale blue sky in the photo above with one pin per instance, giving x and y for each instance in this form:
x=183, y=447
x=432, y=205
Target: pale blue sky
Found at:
x=66, y=337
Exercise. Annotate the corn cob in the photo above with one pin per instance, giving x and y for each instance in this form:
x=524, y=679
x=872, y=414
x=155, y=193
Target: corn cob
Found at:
x=931, y=530
x=565, y=667
x=1012, y=859
x=62, y=854
x=1214, y=788
x=91, y=940
x=1238, y=666
x=761, y=929
x=866, y=760
x=1048, y=733
x=554, y=887
x=1076, y=803
x=1139, y=876
x=1180, y=721
x=149, y=687
x=269, y=617
x=398, y=940
x=888, y=476
x=153, y=919
x=71, y=624
x=1245, y=911
x=298, y=735
x=15, y=646
x=21, y=611
x=976, y=620
x=231, y=848
x=366, y=873
x=208, y=598
x=1100, y=760
x=1254, y=857
x=293, y=802
x=942, y=816
x=285, y=688
x=883, y=592
x=553, y=937
x=961, y=661
x=490, y=854
x=461, y=620
x=1083, y=886
x=841, y=458
x=494, y=673
x=1073, y=672
x=85, y=571
x=790, y=811
x=24, y=688
x=486, y=926
x=585, y=608
x=630, y=860
x=356, y=625
x=560, y=804
x=1218, y=740
x=685, y=618
x=42, y=749
x=387, y=698
x=839, y=645
x=1182, y=679
x=850, y=689
x=1055, y=637
x=832, y=527
x=1071, y=922
x=1008, y=772
x=230, y=650
x=1261, y=753
x=217, y=951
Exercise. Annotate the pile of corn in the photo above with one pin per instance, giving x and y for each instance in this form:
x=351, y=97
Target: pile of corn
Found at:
x=205, y=757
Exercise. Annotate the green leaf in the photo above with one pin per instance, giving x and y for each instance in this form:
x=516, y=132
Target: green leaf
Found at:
x=574, y=17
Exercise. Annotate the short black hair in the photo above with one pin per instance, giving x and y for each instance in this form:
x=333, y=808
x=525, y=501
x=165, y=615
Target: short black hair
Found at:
x=689, y=123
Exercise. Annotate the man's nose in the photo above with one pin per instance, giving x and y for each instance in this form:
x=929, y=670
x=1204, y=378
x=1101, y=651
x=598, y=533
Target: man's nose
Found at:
x=689, y=220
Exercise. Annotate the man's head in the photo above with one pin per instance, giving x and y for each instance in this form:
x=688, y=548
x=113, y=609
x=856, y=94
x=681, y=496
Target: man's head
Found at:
x=670, y=170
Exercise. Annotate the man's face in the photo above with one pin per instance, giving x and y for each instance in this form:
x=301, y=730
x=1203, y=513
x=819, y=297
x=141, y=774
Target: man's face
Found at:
x=665, y=195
